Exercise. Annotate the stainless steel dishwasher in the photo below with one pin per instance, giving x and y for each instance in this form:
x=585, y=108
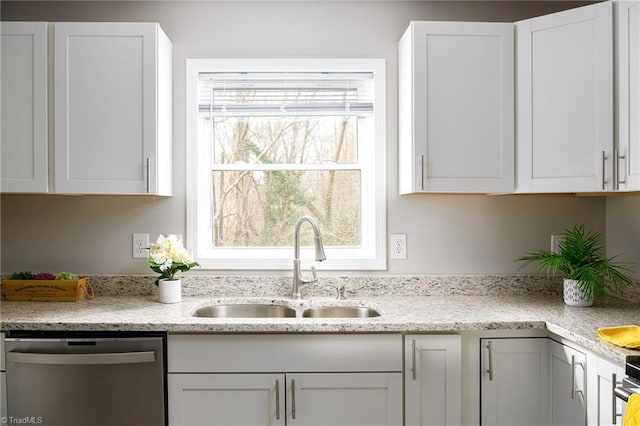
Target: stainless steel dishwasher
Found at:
x=86, y=378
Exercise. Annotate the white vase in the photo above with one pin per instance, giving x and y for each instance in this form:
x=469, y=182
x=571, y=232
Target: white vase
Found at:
x=574, y=296
x=170, y=290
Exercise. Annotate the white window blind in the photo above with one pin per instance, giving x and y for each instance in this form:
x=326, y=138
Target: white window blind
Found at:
x=291, y=93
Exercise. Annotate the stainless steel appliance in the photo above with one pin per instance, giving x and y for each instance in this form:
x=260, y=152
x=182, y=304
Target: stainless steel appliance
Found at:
x=630, y=384
x=86, y=378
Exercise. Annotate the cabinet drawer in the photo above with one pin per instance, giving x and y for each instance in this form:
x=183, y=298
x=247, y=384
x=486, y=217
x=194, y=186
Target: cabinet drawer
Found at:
x=280, y=352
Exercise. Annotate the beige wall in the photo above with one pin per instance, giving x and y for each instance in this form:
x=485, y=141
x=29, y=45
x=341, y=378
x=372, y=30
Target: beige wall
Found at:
x=446, y=234
x=623, y=230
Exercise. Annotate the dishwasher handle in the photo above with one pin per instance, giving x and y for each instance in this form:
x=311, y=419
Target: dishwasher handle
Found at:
x=82, y=359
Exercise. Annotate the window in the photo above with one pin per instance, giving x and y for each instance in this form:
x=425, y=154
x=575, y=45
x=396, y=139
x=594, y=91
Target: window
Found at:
x=272, y=140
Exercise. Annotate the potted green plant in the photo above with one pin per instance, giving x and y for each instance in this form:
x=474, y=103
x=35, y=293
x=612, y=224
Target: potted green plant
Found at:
x=581, y=261
x=168, y=257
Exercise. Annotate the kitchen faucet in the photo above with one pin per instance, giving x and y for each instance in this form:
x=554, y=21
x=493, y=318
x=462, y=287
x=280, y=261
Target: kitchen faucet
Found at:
x=298, y=279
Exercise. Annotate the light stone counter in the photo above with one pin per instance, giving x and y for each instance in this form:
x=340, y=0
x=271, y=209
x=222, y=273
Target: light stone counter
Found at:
x=409, y=304
x=399, y=314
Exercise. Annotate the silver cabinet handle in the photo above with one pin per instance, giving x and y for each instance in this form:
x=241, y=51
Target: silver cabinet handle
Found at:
x=422, y=172
x=616, y=164
x=293, y=399
x=574, y=364
x=616, y=170
x=604, y=163
x=277, y=399
x=614, y=408
x=413, y=359
x=85, y=359
x=490, y=351
x=148, y=175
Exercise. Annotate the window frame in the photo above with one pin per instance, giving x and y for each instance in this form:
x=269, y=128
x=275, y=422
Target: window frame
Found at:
x=198, y=188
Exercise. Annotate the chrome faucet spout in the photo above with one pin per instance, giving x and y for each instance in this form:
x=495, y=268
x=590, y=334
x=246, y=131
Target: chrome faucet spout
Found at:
x=298, y=279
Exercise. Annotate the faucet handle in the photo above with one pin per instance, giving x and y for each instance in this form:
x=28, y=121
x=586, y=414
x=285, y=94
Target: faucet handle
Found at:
x=340, y=291
x=313, y=273
x=303, y=280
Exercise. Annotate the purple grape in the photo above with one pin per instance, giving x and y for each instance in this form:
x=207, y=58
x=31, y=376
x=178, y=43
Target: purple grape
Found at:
x=45, y=276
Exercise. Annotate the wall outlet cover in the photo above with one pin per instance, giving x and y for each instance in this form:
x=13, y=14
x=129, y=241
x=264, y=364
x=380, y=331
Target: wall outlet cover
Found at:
x=398, y=246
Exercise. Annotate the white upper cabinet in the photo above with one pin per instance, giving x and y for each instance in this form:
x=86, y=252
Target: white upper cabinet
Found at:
x=24, y=107
x=564, y=91
x=456, y=118
x=628, y=68
x=112, y=109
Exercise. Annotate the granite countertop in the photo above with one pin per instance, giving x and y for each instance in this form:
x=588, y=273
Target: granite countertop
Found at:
x=411, y=314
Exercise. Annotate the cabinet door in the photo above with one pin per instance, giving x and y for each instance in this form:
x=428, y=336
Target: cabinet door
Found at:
x=513, y=385
x=433, y=380
x=628, y=150
x=344, y=399
x=604, y=408
x=105, y=101
x=565, y=101
x=24, y=107
x=456, y=107
x=567, y=380
x=3, y=380
x=226, y=399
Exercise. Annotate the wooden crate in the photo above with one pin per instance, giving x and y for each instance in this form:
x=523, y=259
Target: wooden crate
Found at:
x=47, y=290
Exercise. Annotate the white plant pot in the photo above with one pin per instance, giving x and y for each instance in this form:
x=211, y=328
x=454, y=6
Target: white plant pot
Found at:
x=170, y=290
x=573, y=295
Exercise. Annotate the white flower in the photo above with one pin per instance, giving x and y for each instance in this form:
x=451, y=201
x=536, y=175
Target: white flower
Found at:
x=169, y=256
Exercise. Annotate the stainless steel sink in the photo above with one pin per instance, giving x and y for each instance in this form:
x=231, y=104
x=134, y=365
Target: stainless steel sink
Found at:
x=244, y=310
x=340, y=312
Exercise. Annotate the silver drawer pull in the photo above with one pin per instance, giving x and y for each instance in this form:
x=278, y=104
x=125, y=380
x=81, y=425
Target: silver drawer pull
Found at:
x=490, y=369
x=574, y=364
x=293, y=399
x=614, y=408
x=413, y=359
x=277, y=399
x=86, y=359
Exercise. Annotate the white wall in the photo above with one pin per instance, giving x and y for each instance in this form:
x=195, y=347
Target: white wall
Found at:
x=446, y=234
x=623, y=230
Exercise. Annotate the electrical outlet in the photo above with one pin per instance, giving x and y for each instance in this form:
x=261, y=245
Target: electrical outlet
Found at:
x=140, y=246
x=555, y=243
x=398, y=246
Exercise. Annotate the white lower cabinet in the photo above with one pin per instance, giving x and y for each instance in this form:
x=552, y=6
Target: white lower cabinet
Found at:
x=224, y=399
x=347, y=399
x=567, y=380
x=433, y=383
x=604, y=408
x=252, y=380
x=513, y=384
x=3, y=394
x=3, y=380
